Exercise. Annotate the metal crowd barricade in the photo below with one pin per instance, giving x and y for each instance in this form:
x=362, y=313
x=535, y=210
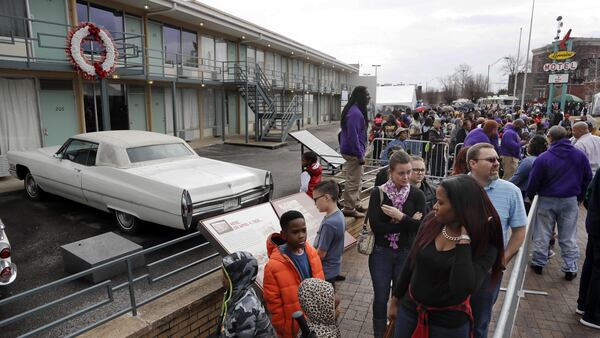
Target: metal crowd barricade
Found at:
x=514, y=290
x=436, y=155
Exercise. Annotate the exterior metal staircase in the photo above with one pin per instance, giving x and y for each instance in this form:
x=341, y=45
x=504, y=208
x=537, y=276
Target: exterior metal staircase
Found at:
x=276, y=116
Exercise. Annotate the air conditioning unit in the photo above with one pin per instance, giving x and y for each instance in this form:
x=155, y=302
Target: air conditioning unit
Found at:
x=4, y=166
x=186, y=135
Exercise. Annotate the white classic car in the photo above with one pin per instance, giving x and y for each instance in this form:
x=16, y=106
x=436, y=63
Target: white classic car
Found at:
x=139, y=175
x=8, y=269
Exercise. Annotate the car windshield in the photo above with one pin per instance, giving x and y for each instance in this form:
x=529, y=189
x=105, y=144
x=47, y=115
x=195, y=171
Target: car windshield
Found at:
x=157, y=152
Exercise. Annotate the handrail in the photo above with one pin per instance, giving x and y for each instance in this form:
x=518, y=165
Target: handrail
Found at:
x=109, y=296
x=124, y=42
x=514, y=290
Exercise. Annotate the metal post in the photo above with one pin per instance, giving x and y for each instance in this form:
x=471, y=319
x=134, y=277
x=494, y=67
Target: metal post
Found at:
x=318, y=106
x=551, y=89
x=527, y=57
x=105, y=104
x=131, y=288
x=246, y=108
x=487, y=81
x=257, y=116
x=224, y=110
x=563, y=94
x=517, y=70
x=174, y=104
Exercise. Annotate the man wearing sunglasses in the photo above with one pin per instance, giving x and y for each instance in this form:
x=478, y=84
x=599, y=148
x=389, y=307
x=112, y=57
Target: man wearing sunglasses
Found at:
x=484, y=164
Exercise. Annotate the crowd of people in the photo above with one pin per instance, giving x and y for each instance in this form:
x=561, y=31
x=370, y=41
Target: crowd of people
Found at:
x=440, y=247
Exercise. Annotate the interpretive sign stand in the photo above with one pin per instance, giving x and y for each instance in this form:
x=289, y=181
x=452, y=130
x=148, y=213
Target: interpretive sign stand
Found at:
x=243, y=230
x=248, y=229
x=303, y=203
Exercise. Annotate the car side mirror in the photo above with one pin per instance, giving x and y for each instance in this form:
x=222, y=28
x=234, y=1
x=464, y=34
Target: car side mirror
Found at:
x=58, y=156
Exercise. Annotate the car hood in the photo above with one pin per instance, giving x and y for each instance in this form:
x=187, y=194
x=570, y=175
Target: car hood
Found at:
x=203, y=178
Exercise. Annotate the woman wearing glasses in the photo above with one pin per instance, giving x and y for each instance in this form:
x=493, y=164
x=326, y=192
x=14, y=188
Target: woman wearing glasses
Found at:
x=417, y=179
x=454, y=250
x=394, y=221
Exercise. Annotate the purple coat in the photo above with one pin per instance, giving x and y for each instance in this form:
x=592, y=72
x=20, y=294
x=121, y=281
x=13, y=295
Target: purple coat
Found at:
x=353, y=137
x=511, y=143
x=561, y=171
x=476, y=136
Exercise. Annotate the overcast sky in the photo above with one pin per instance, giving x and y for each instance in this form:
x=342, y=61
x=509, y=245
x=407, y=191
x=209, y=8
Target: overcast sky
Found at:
x=419, y=41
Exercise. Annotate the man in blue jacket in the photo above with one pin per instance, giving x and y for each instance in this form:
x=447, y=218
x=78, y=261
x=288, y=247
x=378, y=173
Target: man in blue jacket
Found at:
x=559, y=177
x=510, y=148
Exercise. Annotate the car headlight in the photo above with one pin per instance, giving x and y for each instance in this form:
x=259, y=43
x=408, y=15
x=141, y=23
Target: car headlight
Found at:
x=187, y=209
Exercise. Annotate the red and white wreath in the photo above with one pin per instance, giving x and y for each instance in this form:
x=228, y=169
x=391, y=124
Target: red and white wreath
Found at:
x=108, y=58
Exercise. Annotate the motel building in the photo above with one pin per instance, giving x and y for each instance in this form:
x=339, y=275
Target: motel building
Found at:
x=183, y=68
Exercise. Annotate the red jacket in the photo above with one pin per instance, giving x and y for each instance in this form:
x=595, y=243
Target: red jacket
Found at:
x=315, y=171
x=281, y=282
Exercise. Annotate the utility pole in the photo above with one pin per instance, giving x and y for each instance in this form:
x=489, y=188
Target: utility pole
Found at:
x=527, y=57
x=517, y=70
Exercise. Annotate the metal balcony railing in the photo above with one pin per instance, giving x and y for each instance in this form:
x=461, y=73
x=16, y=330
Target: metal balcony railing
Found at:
x=40, y=44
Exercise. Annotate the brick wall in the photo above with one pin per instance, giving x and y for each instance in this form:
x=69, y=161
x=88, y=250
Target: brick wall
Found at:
x=200, y=320
x=191, y=311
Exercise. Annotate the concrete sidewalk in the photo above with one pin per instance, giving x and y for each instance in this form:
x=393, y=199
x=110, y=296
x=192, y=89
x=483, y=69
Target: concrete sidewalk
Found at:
x=538, y=316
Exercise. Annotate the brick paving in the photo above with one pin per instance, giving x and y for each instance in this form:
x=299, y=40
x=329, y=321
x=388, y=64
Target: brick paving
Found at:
x=538, y=316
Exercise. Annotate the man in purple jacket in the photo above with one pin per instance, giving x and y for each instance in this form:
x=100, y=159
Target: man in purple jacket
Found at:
x=510, y=148
x=487, y=134
x=559, y=177
x=353, y=144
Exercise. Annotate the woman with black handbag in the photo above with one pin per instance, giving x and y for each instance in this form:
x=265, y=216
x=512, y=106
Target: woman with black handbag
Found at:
x=394, y=222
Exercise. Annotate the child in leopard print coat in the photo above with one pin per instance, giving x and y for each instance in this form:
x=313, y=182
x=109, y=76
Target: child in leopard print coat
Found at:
x=317, y=299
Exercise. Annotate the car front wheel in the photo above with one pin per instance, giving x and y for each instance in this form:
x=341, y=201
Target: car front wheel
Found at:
x=32, y=189
x=128, y=223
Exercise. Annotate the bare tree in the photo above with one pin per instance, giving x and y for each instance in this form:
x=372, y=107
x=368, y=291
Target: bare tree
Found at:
x=450, y=88
x=475, y=87
x=462, y=75
x=510, y=67
x=431, y=97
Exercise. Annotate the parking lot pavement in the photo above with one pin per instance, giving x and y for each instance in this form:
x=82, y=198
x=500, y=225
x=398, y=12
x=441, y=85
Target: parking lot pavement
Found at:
x=37, y=229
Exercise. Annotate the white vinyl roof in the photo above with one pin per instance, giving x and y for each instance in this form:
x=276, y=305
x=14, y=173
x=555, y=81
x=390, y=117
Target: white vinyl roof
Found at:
x=397, y=96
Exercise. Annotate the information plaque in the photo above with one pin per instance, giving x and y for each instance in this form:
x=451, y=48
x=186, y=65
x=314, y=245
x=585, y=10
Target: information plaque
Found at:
x=244, y=230
x=248, y=229
x=303, y=203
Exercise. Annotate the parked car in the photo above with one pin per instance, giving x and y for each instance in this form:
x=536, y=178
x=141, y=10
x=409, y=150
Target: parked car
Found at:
x=8, y=269
x=140, y=176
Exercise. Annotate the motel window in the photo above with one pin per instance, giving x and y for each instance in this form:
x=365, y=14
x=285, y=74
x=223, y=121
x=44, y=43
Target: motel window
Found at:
x=220, y=50
x=189, y=45
x=172, y=42
x=11, y=25
x=207, y=47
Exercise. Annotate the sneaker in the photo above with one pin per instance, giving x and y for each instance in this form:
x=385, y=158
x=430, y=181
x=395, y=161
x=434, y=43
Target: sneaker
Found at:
x=340, y=278
x=579, y=311
x=353, y=213
x=537, y=269
x=570, y=275
x=591, y=324
x=551, y=253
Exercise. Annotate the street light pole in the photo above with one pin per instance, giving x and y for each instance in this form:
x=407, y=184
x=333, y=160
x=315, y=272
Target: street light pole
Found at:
x=376, y=66
x=517, y=70
x=487, y=85
x=527, y=57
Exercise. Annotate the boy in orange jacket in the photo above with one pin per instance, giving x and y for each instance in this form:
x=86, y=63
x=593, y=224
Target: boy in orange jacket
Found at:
x=291, y=260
